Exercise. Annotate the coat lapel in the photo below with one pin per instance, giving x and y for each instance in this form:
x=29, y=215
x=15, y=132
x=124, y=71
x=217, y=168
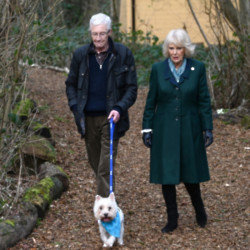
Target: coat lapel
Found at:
x=186, y=73
x=169, y=76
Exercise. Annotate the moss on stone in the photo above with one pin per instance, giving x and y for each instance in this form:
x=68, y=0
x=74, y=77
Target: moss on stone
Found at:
x=40, y=192
x=36, y=125
x=61, y=170
x=40, y=147
x=24, y=107
x=245, y=121
x=10, y=222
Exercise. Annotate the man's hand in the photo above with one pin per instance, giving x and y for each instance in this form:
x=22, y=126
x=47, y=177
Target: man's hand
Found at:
x=79, y=121
x=115, y=114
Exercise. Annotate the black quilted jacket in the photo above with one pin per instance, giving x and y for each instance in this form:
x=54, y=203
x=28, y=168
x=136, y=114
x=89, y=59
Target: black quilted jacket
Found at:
x=121, y=85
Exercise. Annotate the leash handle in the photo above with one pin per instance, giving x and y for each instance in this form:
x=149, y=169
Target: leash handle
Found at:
x=112, y=127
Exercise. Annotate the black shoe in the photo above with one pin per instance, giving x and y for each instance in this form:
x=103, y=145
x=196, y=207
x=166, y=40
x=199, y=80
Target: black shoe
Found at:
x=201, y=218
x=170, y=227
x=169, y=194
x=195, y=195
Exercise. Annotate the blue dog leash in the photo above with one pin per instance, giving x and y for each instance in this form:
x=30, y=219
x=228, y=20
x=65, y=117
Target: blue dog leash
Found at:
x=112, y=127
x=112, y=227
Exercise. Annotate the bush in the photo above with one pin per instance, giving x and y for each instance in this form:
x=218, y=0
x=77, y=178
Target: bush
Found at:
x=57, y=49
x=145, y=48
x=228, y=82
x=224, y=83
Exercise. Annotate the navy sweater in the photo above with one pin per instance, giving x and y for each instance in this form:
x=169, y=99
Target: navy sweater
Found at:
x=96, y=103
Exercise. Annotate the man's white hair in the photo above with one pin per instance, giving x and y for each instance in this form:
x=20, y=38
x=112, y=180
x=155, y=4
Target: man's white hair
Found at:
x=98, y=19
x=179, y=37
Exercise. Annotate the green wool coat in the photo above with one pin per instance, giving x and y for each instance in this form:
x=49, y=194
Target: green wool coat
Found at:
x=178, y=114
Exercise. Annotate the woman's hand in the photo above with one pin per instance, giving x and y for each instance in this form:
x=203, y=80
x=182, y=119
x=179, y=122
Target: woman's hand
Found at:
x=147, y=139
x=208, y=137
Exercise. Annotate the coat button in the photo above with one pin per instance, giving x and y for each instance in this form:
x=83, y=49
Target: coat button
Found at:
x=176, y=119
x=176, y=88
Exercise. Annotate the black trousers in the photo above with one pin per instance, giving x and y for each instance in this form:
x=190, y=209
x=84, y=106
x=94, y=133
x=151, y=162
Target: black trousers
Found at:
x=169, y=194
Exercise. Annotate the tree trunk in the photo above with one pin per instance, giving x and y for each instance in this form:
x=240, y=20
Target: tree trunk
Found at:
x=115, y=10
x=230, y=13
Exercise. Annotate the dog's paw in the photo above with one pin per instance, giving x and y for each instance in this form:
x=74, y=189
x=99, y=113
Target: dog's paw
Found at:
x=110, y=242
x=120, y=243
x=107, y=245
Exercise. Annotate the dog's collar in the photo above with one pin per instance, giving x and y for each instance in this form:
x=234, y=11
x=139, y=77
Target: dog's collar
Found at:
x=113, y=227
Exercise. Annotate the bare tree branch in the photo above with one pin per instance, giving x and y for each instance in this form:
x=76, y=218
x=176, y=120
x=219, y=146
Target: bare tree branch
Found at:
x=230, y=13
x=204, y=35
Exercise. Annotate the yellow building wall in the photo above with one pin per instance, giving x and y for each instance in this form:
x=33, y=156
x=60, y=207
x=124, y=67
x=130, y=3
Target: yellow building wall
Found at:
x=160, y=16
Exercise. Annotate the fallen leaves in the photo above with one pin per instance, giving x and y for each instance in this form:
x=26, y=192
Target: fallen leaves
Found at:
x=70, y=222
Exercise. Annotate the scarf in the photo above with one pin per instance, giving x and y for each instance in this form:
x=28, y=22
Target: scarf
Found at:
x=177, y=72
x=113, y=227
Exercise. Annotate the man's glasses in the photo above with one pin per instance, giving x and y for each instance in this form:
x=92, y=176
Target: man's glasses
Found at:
x=101, y=34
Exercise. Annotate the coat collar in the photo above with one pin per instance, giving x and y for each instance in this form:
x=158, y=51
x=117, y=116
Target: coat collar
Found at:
x=169, y=76
x=111, y=48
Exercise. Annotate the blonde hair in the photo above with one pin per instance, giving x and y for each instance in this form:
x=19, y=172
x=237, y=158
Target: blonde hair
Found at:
x=179, y=37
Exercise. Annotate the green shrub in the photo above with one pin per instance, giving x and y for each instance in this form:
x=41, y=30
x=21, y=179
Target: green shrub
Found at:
x=57, y=49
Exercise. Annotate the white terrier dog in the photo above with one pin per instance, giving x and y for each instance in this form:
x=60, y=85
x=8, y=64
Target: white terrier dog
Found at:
x=110, y=219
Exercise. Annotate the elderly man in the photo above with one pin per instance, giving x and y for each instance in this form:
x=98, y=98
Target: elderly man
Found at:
x=101, y=85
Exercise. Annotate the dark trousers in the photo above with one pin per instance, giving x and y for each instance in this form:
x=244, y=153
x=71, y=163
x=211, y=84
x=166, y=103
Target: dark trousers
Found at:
x=97, y=139
x=169, y=194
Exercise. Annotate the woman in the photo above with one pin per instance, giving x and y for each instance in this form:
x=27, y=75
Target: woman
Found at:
x=177, y=125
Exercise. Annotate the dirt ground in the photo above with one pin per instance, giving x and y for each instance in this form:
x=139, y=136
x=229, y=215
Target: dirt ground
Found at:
x=70, y=224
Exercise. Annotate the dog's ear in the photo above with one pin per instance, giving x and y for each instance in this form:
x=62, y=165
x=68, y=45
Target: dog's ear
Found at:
x=98, y=197
x=112, y=196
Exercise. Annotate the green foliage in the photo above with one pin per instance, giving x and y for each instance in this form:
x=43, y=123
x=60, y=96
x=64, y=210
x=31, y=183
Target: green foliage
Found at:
x=72, y=12
x=24, y=107
x=145, y=48
x=36, y=125
x=21, y=111
x=15, y=119
x=76, y=12
x=57, y=49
